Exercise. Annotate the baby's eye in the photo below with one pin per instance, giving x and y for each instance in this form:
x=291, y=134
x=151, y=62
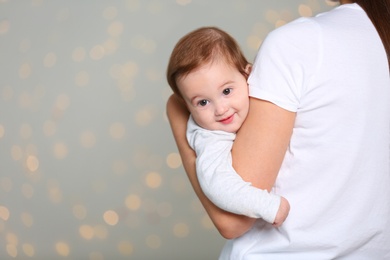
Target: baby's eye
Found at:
x=227, y=91
x=203, y=102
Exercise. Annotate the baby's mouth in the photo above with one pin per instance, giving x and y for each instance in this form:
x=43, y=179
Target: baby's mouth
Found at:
x=227, y=120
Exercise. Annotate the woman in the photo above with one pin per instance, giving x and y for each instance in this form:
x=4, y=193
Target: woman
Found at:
x=318, y=134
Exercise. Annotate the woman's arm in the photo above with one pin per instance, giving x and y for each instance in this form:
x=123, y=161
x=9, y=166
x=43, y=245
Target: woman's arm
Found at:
x=261, y=143
x=228, y=224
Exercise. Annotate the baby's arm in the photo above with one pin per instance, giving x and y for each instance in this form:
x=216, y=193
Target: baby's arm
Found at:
x=225, y=188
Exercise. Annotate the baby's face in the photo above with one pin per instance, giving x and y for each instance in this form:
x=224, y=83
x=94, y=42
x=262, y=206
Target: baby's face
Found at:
x=216, y=95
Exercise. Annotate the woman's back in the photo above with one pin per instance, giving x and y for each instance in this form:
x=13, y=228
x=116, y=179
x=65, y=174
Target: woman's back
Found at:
x=332, y=71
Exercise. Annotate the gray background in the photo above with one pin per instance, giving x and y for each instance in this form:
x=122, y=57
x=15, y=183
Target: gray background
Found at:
x=88, y=165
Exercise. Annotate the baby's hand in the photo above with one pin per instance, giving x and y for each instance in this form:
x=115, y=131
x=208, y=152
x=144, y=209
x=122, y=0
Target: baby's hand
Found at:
x=282, y=213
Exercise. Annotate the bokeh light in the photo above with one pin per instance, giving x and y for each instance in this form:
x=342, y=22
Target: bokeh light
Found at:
x=153, y=180
x=100, y=231
x=181, y=230
x=25, y=70
x=32, y=163
x=28, y=249
x=12, y=250
x=62, y=248
x=50, y=60
x=133, y=202
x=173, y=160
x=60, y=150
x=6, y=184
x=110, y=13
x=4, y=213
x=125, y=248
x=86, y=232
x=49, y=128
x=79, y=212
x=97, y=52
x=78, y=54
x=87, y=139
x=27, y=219
x=153, y=241
x=117, y=130
x=16, y=152
x=4, y=26
x=111, y=217
x=54, y=191
x=305, y=10
x=82, y=78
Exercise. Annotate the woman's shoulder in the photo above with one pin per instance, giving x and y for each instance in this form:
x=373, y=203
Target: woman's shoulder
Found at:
x=303, y=27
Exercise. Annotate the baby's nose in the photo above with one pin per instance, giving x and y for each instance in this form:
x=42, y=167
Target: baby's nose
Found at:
x=221, y=108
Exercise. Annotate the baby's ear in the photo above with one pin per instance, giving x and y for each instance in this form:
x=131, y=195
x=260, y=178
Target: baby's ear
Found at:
x=248, y=68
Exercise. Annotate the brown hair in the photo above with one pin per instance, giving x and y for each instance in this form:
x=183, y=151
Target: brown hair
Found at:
x=199, y=47
x=379, y=13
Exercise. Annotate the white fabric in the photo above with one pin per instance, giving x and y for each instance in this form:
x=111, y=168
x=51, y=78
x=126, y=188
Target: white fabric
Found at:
x=218, y=180
x=332, y=71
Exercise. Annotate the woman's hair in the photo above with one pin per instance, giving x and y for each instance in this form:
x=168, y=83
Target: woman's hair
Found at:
x=199, y=47
x=379, y=13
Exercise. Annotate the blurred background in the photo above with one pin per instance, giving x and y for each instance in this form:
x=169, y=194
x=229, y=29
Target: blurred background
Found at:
x=88, y=166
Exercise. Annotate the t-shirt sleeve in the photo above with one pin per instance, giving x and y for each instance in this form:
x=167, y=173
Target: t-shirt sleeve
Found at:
x=286, y=63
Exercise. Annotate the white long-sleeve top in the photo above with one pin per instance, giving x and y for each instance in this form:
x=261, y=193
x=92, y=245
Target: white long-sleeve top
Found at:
x=220, y=182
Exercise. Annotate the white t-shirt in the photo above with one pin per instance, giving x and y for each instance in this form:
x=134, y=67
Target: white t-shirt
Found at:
x=332, y=71
x=220, y=182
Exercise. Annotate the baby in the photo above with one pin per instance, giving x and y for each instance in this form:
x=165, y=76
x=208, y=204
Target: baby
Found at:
x=208, y=71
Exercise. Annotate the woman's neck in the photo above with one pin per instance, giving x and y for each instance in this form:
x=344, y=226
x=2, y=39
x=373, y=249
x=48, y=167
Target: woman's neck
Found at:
x=346, y=1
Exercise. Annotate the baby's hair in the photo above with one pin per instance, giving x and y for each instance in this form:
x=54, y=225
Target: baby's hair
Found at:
x=199, y=47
